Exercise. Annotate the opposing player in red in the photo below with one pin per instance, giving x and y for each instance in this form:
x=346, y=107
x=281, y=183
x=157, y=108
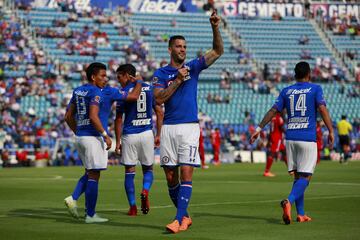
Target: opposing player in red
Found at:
x=319, y=140
x=202, y=150
x=216, y=144
x=276, y=144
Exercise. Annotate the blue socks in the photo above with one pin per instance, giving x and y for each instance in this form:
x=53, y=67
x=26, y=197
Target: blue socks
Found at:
x=183, y=200
x=80, y=187
x=173, y=193
x=298, y=189
x=130, y=188
x=147, y=180
x=300, y=205
x=91, y=194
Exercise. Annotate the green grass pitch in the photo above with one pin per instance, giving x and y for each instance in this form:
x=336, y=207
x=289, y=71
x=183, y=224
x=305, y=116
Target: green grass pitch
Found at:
x=228, y=202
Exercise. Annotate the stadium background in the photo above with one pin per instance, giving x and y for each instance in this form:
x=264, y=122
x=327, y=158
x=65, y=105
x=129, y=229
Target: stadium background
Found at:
x=45, y=46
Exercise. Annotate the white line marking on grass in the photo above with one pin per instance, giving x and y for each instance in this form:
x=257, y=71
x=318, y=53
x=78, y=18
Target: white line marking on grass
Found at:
x=240, y=202
x=336, y=183
x=19, y=214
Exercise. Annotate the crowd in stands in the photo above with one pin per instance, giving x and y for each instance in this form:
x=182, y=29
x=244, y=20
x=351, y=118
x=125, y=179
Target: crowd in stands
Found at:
x=216, y=98
x=39, y=78
x=343, y=25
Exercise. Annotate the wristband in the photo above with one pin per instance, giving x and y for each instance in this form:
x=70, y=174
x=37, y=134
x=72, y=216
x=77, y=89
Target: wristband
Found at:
x=139, y=81
x=258, y=129
x=104, y=133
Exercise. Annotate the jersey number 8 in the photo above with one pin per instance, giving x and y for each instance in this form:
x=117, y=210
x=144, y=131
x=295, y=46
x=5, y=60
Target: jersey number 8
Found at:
x=141, y=102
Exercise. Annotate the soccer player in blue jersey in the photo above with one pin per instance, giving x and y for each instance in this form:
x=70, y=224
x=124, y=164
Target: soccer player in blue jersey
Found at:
x=301, y=101
x=135, y=140
x=175, y=86
x=87, y=116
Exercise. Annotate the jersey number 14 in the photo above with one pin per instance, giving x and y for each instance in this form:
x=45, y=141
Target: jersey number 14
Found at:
x=299, y=106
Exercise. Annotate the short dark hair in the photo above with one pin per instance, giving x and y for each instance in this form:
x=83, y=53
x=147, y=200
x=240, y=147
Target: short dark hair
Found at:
x=173, y=38
x=343, y=116
x=302, y=69
x=127, y=68
x=93, y=69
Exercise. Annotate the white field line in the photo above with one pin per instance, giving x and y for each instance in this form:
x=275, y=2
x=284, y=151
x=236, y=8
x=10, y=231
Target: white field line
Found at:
x=197, y=205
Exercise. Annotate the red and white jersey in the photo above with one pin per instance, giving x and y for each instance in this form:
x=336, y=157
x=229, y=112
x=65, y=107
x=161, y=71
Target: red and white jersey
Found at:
x=215, y=138
x=319, y=139
x=276, y=127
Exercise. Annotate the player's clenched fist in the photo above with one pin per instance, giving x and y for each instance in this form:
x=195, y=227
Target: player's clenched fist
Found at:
x=215, y=19
x=182, y=74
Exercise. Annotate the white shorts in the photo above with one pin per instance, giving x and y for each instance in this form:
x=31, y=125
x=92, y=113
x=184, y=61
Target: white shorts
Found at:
x=137, y=147
x=92, y=152
x=302, y=156
x=179, y=145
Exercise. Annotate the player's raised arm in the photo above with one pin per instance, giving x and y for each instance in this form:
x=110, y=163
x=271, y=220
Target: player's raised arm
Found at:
x=327, y=120
x=267, y=118
x=163, y=94
x=218, y=45
x=70, y=117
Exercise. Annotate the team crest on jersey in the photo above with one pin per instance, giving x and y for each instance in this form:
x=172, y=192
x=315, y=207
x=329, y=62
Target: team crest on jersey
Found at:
x=165, y=159
x=97, y=99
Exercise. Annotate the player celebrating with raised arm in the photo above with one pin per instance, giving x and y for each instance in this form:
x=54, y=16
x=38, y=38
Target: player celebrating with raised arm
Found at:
x=301, y=100
x=87, y=116
x=175, y=85
x=136, y=139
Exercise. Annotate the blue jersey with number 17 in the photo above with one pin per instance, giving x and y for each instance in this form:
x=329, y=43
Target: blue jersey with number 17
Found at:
x=181, y=107
x=301, y=101
x=138, y=115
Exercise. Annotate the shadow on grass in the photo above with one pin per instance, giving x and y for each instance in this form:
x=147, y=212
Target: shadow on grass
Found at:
x=60, y=215
x=238, y=217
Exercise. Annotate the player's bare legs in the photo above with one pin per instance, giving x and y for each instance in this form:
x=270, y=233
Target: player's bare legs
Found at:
x=130, y=189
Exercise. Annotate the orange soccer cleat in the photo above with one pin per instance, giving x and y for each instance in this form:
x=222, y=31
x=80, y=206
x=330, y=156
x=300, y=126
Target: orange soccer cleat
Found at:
x=145, y=204
x=173, y=227
x=268, y=174
x=286, y=206
x=185, y=223
x=132, y=211
x=304, y=218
